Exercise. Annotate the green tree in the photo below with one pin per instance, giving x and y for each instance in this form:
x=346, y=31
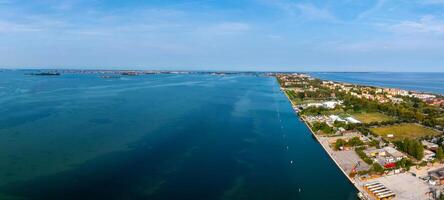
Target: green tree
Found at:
x=404, y=163
x=339, y=143
x=355, y=141
x=377, y=168
x=439, y=154
x=411, y=147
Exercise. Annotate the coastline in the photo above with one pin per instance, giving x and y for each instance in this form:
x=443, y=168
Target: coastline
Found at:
x=353, y=182
x=366, y=83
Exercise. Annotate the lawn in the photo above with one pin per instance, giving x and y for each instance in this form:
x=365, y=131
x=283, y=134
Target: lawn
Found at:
x=401, y=131
x=372, y=117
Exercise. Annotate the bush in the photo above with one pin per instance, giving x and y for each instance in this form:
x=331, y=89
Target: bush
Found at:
x=317, y=126
x=411, y=147
x=364, y=157
x=377, y=168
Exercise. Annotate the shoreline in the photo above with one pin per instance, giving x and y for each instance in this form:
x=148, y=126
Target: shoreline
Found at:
x=353, y=182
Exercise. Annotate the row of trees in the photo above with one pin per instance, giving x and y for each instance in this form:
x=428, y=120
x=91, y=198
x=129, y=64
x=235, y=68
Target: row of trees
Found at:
x=314, y=111
x=322, y=126
x=363, y=156
x=412, y=109
x=411, y=147
x=346, y=126
x=355, y=141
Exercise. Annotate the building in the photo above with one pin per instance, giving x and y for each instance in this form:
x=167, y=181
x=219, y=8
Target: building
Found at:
x=437, y=175
x=397, y=155
x=428, y=155
x=429, y=145
x=334, y=118
x=373, y=152
x=379, y=191
x=352, y=120
x=330, y=104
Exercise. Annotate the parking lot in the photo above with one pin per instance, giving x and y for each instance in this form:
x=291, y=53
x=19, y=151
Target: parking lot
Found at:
x=405, y=186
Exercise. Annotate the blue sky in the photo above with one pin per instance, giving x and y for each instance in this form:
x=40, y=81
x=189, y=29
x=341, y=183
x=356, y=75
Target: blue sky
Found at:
x=329, y=35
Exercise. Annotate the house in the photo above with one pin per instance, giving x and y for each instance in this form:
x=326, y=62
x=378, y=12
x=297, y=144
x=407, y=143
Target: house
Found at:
x=428, y=155
x=330, y=104
x=373, y=152
x=397, y=155
x=437, y=175
x=396, y=100
x=429, y=145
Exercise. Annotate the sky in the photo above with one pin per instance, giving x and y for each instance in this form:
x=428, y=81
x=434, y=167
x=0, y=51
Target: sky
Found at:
x=265, y=35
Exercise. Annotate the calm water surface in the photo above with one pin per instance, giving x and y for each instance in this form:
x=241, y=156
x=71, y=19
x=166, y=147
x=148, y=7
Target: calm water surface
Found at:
x=157, y=137
x=425, y=82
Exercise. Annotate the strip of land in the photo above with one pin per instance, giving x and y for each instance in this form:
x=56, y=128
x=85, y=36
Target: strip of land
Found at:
x=388, y=142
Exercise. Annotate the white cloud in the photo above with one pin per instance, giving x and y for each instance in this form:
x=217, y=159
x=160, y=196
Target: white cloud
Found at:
x=311, y=12
x=378, y=5
x=425, y=25
x=303, y=10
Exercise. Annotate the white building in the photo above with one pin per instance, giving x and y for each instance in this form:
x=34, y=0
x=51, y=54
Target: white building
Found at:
x=393, y=152
x=352, y=120
x=330, y=104
x=334, y=118
x=428, y=155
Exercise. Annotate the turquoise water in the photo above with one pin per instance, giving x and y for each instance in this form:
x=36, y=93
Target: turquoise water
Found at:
x=157, y=137
x=425, y=82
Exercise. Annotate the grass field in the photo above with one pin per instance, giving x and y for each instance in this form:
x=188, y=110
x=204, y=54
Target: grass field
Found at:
x=372, y=117
x=401, y=131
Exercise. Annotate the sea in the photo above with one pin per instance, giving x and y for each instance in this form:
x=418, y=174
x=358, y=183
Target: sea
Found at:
x=415, y=81
x=162, y=136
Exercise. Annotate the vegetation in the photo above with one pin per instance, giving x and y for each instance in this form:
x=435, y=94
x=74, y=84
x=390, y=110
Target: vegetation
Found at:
x=377, y=168
x=321, y=126
x=372, y=117
x=340, y=143
x=439, y=154
x=411, y=147
x=361, y=154
x=355, y=141
x=412, y=109
x=382, y=113
x=404, y=163
x=374, y=143
x=346, y=126
x=314, y=111
x=407, y=130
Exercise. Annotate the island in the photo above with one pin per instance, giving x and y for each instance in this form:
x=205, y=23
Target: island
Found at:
x=45, y=74
x=388, y=142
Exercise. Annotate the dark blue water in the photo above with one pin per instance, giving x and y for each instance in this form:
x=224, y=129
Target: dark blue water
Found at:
x=425, y=82
x=157, y=137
